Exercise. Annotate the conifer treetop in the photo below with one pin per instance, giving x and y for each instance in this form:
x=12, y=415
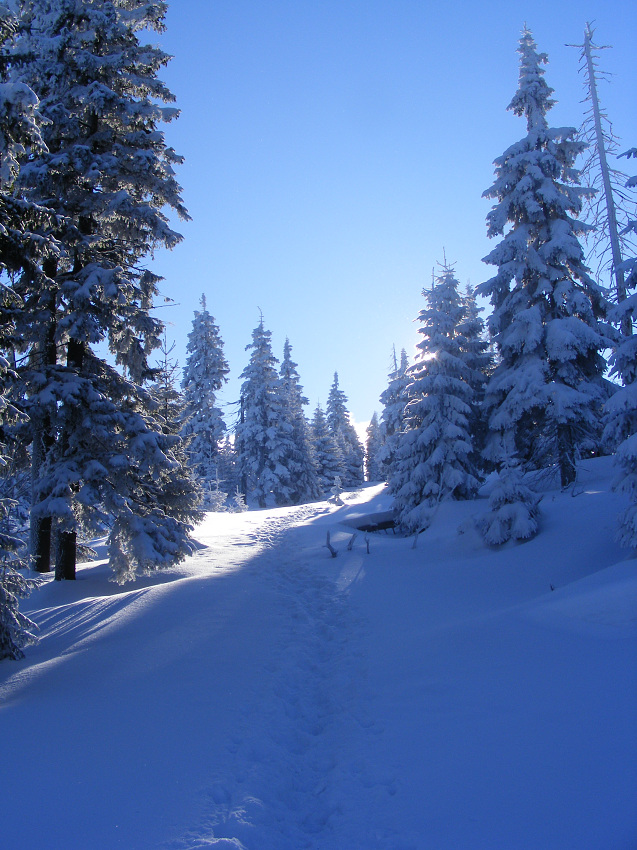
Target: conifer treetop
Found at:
x=533, y=97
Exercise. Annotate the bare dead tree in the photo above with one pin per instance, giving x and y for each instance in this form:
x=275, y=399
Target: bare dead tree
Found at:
x=610, y=209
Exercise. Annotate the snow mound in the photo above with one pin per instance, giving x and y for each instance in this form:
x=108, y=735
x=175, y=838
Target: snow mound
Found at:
x=603, y=604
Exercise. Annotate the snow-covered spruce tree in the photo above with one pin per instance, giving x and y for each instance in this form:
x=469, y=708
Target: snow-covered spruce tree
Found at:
x=300, y=462
x=328, y=458
x=168, y=411
x=20, y=251
x=548, y=386
x=227, y=466
x=621, y=408
x=107, y=173
x=475, y=345
x=433, y=457
x=263, y=437
x=22, y=245
x=621, y=421
x=204, y=375
x=345, y=436
x=373, y=446
x=478, y=356
x=392, y=419
x=16, y=630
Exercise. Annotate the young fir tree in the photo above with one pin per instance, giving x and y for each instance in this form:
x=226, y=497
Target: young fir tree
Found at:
x=169, y=401
x=373, y=446
x=300, y=462
x=392, y=419
x=263, y=436
x=328, y=458
x=168, y=412
x=16, y=630
x=345, y=436
x=545, y=395
x=433, y=459
x=98, y=454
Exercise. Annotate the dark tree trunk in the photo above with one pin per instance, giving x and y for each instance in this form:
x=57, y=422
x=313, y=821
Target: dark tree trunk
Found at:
x=566, y=451
x=41, y=544
x=40, y=531
x=66, y=556
x=243, y=479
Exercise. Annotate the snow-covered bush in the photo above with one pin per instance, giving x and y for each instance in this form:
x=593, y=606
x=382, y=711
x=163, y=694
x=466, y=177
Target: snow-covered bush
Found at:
x=238, y=502
x=337, y=489
x=513, y=509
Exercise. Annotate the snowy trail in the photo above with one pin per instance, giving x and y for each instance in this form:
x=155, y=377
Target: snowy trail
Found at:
x=301, y=774
x=265, y=696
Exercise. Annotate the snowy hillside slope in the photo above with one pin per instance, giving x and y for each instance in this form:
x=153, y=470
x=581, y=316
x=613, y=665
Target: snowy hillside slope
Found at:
x=266, y=696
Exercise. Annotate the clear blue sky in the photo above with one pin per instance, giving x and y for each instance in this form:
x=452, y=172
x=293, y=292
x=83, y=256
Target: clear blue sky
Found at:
x=334, y=148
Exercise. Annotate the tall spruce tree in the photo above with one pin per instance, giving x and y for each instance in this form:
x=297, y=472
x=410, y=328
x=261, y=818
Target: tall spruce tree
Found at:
x=263, y=436
x=433, y=458
x=204, y=375
x=300, y=462
x=394, y=399
x=328, y=458
x=99, y=456
x=373, y=446
x=545, y=395
x=345, y=436
x=20, y=250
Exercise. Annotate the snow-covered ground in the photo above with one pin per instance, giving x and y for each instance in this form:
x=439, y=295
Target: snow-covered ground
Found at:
x=267, y=696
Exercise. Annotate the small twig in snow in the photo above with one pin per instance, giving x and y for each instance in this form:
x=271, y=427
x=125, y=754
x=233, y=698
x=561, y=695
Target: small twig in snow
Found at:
x=329, y=546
